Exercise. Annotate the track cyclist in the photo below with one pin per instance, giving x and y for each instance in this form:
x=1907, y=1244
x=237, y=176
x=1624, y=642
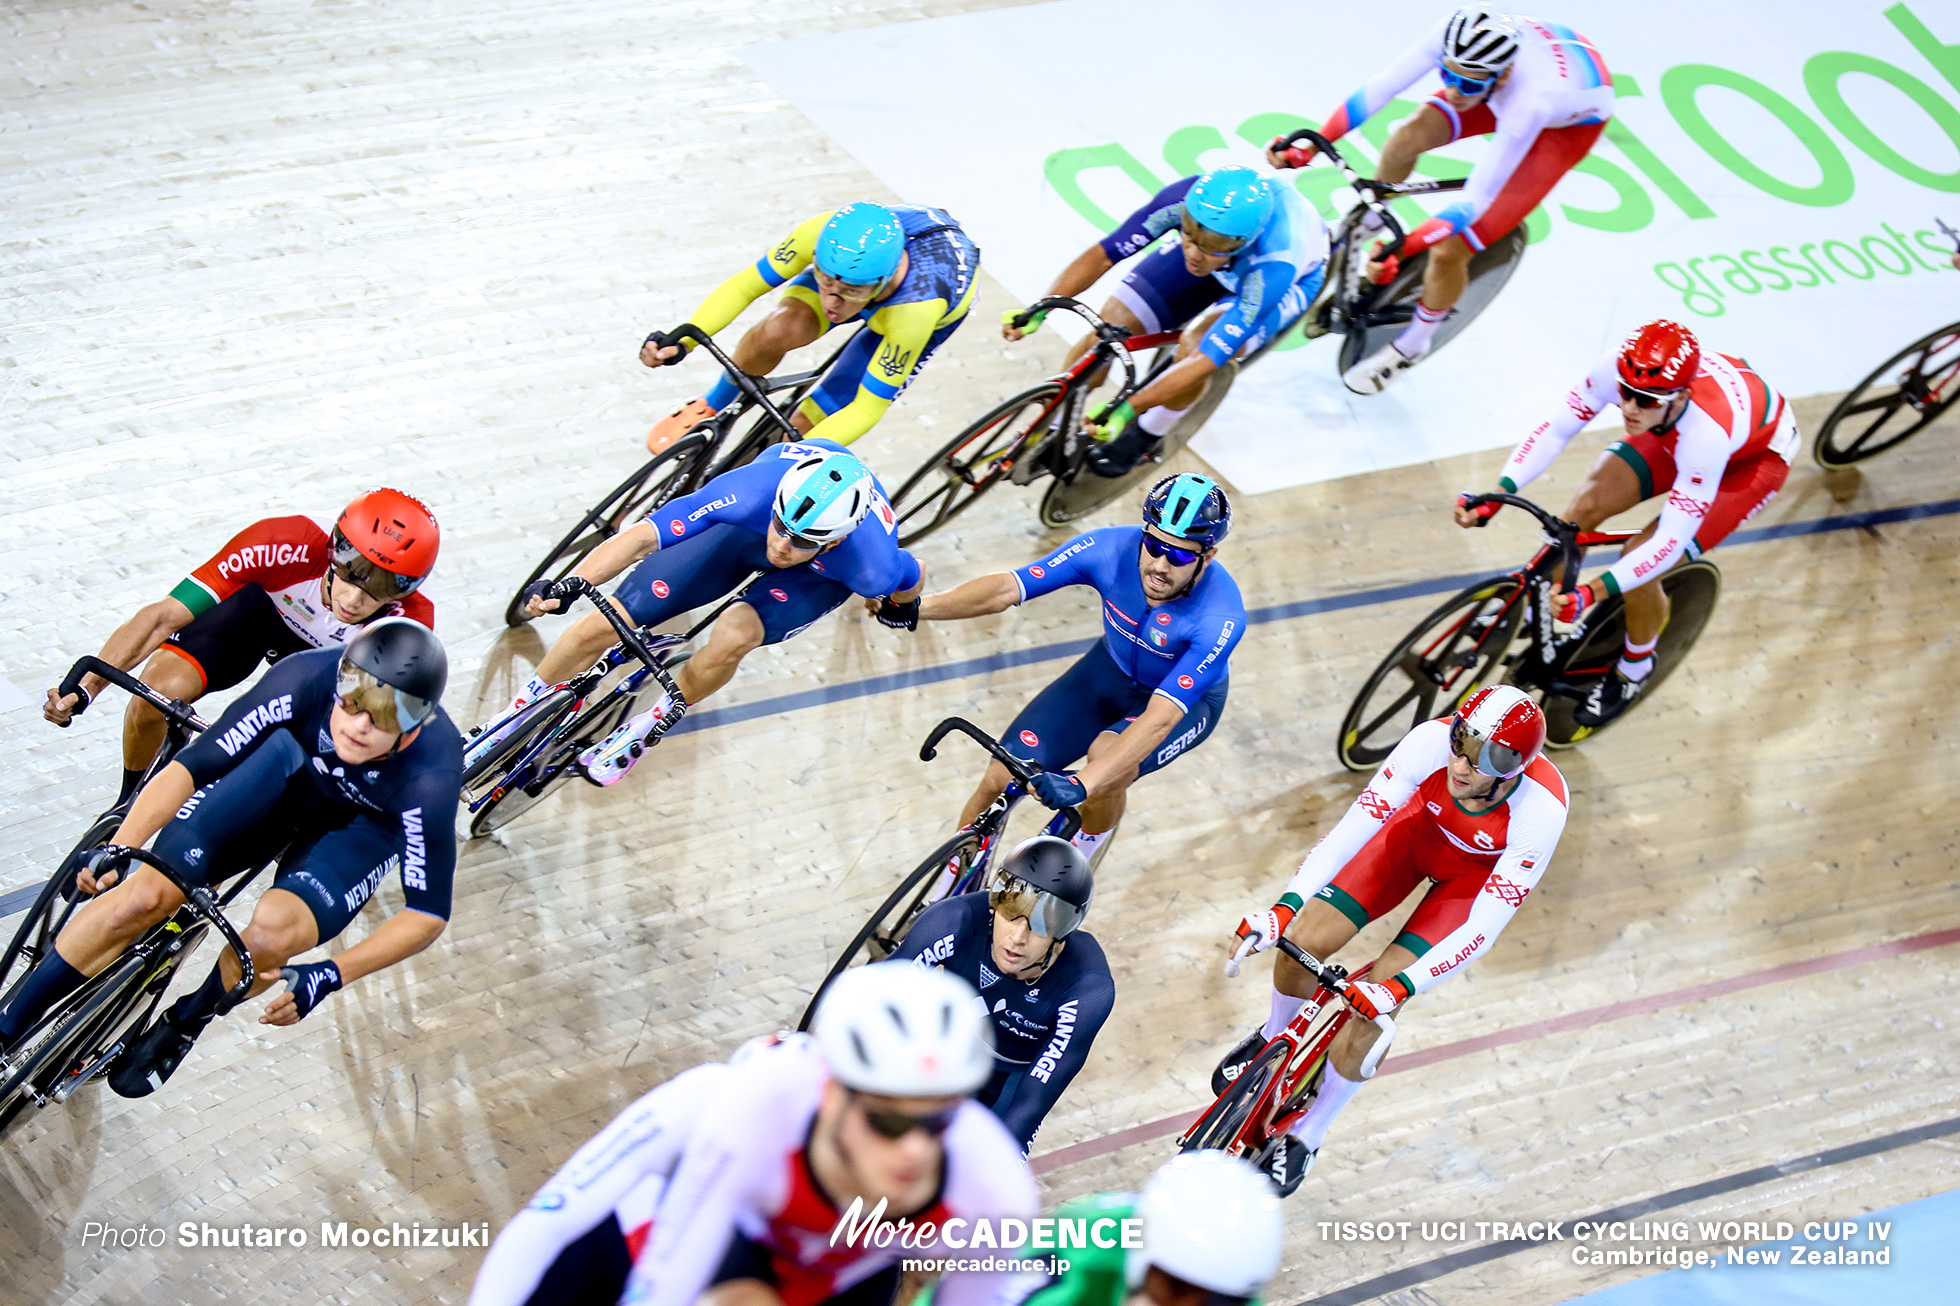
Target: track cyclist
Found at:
x=1257, y=246
x=339, y=762
x=281, y=585
x=1703, y=429
x=1212, y=1236
x=908, y=272
x=1153, y=687
x=794, y=514
x=725, y=1185
x=1466, y=803
x=1539, y=86
x=1021, y=944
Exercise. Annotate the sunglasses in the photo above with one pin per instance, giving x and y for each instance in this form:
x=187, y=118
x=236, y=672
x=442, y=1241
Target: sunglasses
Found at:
x=387, y=707
x=1208, y=241
x=1177, y=557
x=1462, y=85
x=1485, y=756
x=894, y=1125
x=1639, y=398
x=377, y=582
x=795, y=541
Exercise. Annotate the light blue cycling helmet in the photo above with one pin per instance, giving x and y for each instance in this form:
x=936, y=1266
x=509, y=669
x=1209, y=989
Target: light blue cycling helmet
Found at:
x=823, y=496
x=1189, y=507
x=861, y=244
x=1235, y=202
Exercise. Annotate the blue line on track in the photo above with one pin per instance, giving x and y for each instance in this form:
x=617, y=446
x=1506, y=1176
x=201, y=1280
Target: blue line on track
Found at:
x=19, y=899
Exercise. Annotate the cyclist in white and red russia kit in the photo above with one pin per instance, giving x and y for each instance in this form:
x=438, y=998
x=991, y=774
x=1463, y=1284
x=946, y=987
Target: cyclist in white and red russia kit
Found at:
x=1704, y=430
x=726, y=1184
x=282, y=585
x=1465, y=803
x=1543, y=94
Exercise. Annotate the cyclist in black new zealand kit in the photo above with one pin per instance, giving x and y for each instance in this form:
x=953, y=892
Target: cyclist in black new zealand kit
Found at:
x=1044, y=979
x=339, y=762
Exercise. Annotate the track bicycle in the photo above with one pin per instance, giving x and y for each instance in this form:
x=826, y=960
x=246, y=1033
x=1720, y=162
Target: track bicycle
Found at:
x=1277, y=1086
x=82, y=1035
x=58, y=898
x=1367, y=315
x=1473, y=639
x=1915, y=386
x=513, y=761
x=960, y=865
x=709, y=448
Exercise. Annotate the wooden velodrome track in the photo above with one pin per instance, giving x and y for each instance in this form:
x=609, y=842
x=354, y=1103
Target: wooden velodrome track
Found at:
x=260, y=257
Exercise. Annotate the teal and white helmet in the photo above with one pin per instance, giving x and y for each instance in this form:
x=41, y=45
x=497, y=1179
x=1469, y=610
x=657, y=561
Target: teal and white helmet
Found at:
x=822, y=497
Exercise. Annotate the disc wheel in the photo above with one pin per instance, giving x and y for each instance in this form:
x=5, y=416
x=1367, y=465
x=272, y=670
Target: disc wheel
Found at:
x=1692, y=588
x=1226, y=1118
x=1390, y=310
x=971, y=463
x=1905, y=394
x=888, y=925
x=667, y=474
x=1451, y=651
x=1069, y=501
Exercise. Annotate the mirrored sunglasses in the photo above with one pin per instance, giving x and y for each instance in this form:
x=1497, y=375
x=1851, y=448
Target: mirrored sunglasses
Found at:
x=389, y=708
x=1177, y=557
x=795, y=541
x=362, y=572
x=1639, y=398
x=1486, y=756
x=1461, y=84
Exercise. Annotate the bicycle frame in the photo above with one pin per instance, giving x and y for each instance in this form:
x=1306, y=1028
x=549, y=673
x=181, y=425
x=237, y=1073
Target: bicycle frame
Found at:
x=1561, y=555
x=1113, y=345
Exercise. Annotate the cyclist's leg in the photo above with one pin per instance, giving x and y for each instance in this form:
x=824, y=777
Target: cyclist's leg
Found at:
x=776, y=607
x=1059, y=724
x=1630, y=472
x=1101, y=813
x=1157, y=294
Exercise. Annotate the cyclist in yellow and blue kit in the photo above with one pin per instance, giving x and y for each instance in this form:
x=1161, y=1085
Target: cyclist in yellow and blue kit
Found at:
x=907, y=272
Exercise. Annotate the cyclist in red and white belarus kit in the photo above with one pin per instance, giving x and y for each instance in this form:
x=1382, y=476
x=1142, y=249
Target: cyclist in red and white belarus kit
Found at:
x=1464, y=802
x=282, y=585
x=726, y=1184
x=1704, y=430
x=1544, y=91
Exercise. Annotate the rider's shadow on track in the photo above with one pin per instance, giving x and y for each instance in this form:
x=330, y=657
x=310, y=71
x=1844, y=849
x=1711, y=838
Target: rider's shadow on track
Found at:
x=47, y=1182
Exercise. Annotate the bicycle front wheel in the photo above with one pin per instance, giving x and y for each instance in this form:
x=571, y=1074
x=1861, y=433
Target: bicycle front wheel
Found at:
x=973, y=462
x=888, y=925
x=1490, y=270
x=667, y=474
x=1905, y=394
x=1450, y=652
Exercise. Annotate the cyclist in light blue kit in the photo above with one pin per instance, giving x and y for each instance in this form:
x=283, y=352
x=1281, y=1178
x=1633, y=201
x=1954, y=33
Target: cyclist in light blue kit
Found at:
x=1242, y=238
x=1154, y=686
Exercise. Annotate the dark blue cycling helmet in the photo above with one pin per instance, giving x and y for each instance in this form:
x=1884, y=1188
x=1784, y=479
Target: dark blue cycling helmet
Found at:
x=1189, y=507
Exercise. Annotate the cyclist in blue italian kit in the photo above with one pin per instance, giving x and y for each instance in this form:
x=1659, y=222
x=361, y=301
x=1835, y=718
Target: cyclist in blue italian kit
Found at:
x=1044, y=978
x=1153, y=687
x=794, y=514
x=1243, y=238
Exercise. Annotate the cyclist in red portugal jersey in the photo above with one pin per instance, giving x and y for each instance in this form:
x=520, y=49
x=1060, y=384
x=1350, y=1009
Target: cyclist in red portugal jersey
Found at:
x=1465, y=803
x=1704, y=430
x=727, y=1185
x=282, y=585
x=1538, y=88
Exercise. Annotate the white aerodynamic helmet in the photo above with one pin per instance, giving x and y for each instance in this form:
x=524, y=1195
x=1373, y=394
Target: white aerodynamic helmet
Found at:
x=824, y=496
x=1479, y=39
x=903, y=1030
x=1210, y=1220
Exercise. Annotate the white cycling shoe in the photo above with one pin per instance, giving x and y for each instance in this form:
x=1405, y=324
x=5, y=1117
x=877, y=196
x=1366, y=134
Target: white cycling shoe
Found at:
x=478, y=741
x=1373, y=374
x=607, y=762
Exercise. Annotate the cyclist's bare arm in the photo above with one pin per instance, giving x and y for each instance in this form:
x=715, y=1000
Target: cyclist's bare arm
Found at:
x=1133, y=745
x=980, y=597
x=608, y=560
x=398, y=938
x=133, y=641
x=1084, y=271
x=155, y=805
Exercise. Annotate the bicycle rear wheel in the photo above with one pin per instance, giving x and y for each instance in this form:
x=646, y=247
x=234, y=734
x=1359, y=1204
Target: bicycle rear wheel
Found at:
x=667, y=474
x=1069, y=501
x=1225, y=1120
x=887, y=927
x=1903, y=395
x=1391, y=309
x=1692, y=588
x=973, y=462
x=1451, y=651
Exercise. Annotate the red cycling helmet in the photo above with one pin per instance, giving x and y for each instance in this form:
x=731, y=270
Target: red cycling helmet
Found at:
x=1660, y=358
x=385, y=542
x=1499, y=730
